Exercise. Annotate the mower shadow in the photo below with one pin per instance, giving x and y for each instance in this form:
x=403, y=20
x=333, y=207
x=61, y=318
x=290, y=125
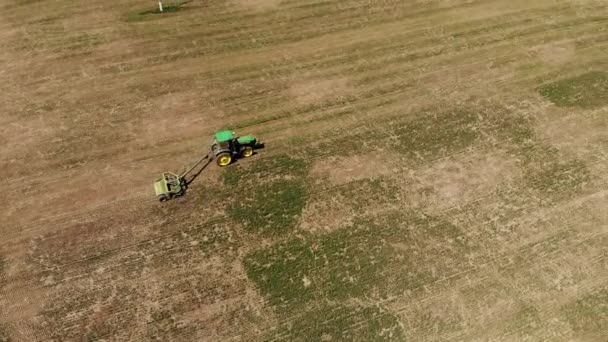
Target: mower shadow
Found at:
x=195, y=175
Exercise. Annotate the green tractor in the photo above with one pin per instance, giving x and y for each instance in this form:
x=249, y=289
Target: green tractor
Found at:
x=226, y=147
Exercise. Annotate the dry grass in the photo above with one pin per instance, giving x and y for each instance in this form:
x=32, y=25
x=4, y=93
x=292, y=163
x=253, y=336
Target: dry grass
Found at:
x=435, y=170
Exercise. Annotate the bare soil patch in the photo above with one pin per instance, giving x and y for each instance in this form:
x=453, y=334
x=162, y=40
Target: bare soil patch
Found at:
x=342, y=170
x=323, y=213
x=314, y=91
x=98, y=104
x=175, y=115
x=490, y=9
x=522, y=280
x=259, y=5
x=584, y=134
x=460, y=179
x=556, y=53
x=326, y=215
x=26, y=136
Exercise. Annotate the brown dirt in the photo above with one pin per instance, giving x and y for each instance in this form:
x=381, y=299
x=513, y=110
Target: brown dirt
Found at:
x=521, y=291
x=342, y=170
x=460, y=179
x=25, y=136
x=95, y=106
x=173, y=116
x=556, y=53
x=583, y=135
x=326, y=215
x=259, y=5
x=316, y=90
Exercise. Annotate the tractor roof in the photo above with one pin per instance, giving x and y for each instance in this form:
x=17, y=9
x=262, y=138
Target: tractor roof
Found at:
x=223, y=136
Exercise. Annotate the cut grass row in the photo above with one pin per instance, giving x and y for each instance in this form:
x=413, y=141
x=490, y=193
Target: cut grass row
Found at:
x=551, y=177
x=283, y=281
x=465, y=142
x=509, y=264
x=299, y=112
x=296, y=168
x=410, y=80
x=422, y=137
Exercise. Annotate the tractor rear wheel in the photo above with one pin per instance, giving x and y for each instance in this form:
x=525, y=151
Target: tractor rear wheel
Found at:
x=246, y=151
x=223, y=159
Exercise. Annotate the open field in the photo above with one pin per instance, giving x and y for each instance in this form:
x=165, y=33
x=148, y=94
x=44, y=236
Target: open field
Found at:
x=435, y=170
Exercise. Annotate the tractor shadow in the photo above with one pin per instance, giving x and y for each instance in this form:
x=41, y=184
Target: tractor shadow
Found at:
x=210, y=160
x=256, y=152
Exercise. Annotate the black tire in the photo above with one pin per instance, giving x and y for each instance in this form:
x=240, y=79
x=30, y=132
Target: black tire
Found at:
x=163, y=198
x=221, y=158
x=246, y=152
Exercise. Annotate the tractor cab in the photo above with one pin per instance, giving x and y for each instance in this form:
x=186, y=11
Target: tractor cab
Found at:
x=224, y=140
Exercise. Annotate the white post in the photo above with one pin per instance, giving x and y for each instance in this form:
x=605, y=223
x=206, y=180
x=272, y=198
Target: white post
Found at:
x=160, y=5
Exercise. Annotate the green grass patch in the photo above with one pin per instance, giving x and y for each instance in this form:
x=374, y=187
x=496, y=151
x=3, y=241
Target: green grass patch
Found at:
x=4, y=335
x=437, y=134
x=404, y=251
x=589, y=90
x=559, y=177
x=507, y=126
x=272, y=208
x=269, y=195
x=589, y=314
x=552, y=173
x=264, y=170
x=526, y=319
x=429, y=135
x=338, y=266
x=334, y=322
x=362, y=194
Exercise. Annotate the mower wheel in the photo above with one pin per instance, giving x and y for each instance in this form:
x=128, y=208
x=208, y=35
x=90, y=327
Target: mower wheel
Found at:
x=163, y=198
x=223, y=159
x=246, y=151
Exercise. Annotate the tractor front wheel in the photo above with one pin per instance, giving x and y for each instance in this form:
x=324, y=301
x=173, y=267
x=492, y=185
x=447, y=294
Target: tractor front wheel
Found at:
x=246, y=151
x=223, y=159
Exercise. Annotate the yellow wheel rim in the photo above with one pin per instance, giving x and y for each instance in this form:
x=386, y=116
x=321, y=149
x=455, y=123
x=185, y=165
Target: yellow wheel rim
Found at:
x=247, y=153
x=225, y=160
